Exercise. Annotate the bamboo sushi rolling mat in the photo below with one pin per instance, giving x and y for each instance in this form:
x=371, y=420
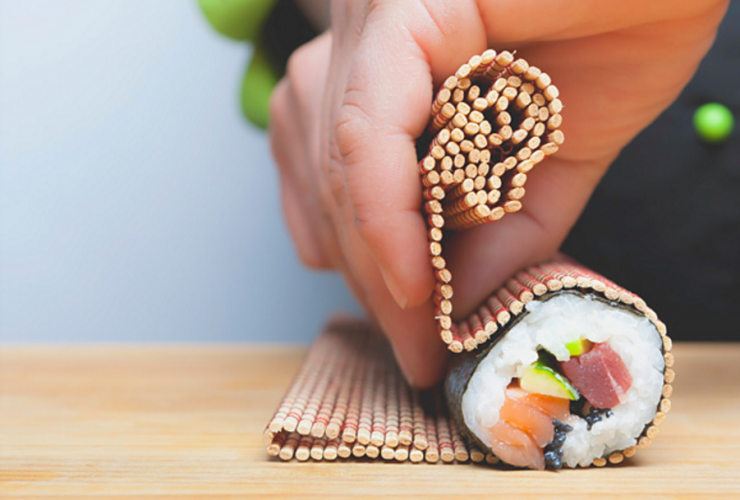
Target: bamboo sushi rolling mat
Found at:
x=349, y=399
x=490, y=125
x=145, y=422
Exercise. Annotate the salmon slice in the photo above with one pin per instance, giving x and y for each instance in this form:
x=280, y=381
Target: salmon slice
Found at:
x=528, y=418
x=525, y=427
x=515, y=447
x=556, y=408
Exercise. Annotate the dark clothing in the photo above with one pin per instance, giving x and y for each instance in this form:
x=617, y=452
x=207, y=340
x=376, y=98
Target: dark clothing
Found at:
x=665, y=220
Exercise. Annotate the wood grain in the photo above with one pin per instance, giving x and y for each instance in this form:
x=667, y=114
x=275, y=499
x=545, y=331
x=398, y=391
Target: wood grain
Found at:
x=145, y=422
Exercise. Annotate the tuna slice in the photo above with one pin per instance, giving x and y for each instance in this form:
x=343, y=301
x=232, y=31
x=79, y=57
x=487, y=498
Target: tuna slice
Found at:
x=599, y=375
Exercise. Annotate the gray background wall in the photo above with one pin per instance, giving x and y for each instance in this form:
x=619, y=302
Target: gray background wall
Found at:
x=135, y=202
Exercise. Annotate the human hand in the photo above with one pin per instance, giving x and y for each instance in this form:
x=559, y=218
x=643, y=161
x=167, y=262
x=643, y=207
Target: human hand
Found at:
x=345, y=119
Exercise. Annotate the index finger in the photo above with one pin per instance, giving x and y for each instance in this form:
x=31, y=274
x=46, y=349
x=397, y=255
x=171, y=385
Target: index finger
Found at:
x=385, y=109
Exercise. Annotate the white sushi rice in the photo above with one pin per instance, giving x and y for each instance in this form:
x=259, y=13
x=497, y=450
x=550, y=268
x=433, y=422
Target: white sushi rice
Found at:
x=550, y=325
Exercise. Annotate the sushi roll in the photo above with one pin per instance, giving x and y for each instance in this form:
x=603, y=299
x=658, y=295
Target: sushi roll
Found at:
x=575, y=379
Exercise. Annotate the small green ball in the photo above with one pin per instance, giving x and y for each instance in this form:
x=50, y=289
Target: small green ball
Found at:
x=713, y=122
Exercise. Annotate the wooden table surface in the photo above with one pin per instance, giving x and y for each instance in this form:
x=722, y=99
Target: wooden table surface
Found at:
x=143, y=422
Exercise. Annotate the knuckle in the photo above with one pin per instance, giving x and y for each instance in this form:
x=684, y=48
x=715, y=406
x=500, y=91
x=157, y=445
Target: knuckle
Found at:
x=436, y=15
x=279, y=109
x=304, y=253
x=366, y=225
x=362, y=200
x=278, y=99
x=334, y=194
x=351, y=130
x=312, y=259
x=298, y=63
x=277, y=148
x=300, y=72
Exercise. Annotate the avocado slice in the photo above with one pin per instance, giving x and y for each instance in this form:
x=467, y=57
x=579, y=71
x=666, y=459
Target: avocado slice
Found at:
x=541, y=379
x=579, y=346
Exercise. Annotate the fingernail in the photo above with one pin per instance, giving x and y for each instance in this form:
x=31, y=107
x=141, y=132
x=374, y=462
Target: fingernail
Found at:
x=395, y=290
